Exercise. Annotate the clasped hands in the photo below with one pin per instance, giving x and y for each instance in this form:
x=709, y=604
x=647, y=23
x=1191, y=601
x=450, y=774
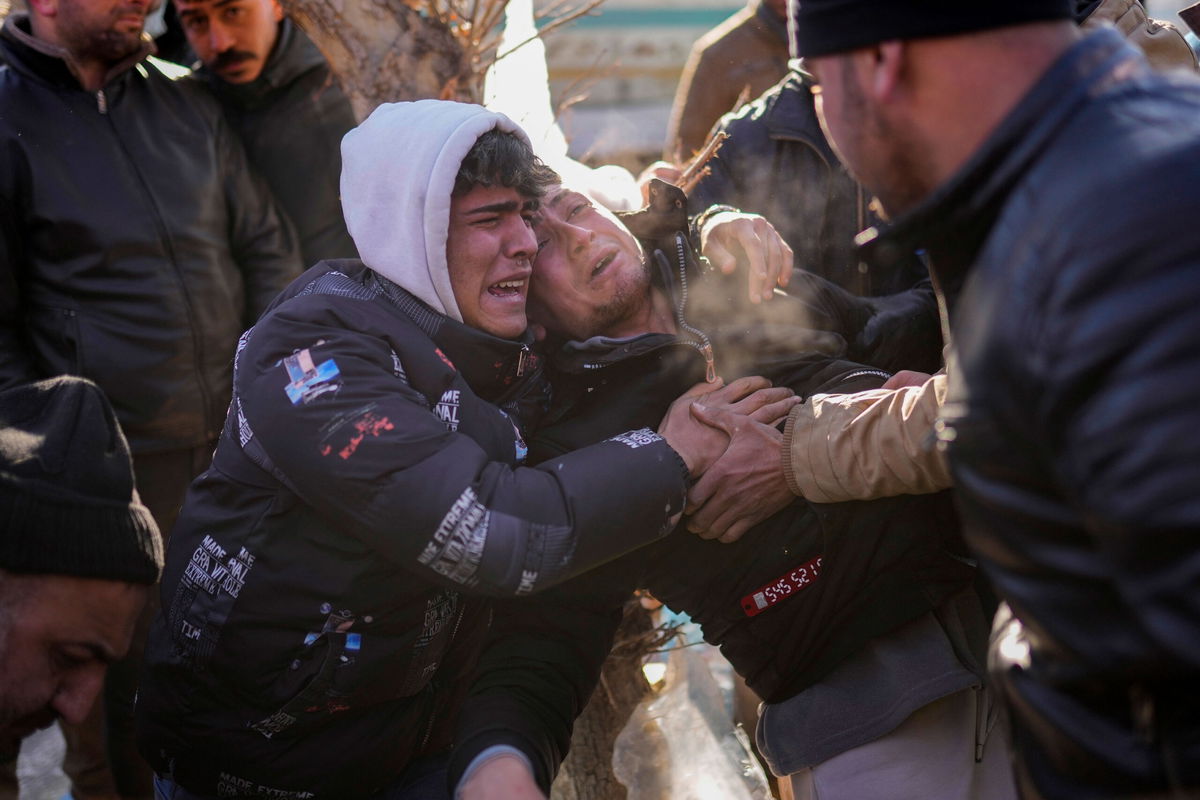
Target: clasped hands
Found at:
x=727, y=436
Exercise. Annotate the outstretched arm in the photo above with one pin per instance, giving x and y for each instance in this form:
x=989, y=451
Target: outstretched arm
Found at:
x=539, y=666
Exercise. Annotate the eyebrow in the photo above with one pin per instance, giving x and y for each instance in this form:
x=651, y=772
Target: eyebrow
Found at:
x=97, y=651
x=562, y=197
x=183, y=12
x=506, y=207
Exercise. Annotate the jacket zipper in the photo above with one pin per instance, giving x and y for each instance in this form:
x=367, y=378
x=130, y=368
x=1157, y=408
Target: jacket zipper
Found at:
x=522, y=359
x=101, y=102
x=703, y=345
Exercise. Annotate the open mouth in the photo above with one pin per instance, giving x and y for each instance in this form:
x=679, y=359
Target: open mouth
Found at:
x=510, y=288
x=602, y=264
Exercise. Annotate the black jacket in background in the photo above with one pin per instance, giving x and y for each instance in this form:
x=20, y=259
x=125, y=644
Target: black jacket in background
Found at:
x=291, y=120
x=135, y=243
x=1067, y=252
x=324, y=591
x=777, y=163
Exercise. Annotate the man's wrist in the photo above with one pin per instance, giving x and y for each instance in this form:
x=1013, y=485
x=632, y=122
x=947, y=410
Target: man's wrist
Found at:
x=701, y=219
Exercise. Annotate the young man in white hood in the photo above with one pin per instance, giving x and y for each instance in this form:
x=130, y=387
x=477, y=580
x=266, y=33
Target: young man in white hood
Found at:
x=327, y=584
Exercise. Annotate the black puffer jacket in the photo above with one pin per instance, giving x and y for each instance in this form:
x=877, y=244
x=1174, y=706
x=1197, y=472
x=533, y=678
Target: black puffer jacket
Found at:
x=292, y=119
x=792, y=599
x=1068, y=255
x=318, y=617
x=777, y=163
x=135, y=245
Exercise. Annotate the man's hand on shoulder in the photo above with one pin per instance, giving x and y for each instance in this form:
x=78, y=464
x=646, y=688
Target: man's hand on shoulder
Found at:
x=504, y=777
x=731, y=240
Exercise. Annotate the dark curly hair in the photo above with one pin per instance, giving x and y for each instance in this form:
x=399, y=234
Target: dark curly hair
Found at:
x=504, y=159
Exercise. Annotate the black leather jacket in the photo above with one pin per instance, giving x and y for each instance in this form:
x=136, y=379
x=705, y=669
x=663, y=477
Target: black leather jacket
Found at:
x=292, y=119
x=777, y=163
x=1067, y=253
x=135, y=245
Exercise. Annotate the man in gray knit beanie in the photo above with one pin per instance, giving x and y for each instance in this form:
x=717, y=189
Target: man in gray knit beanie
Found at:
x=78, y=552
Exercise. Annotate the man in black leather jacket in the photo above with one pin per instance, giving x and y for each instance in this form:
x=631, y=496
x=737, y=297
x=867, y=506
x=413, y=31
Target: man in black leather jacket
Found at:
x=1035, y=169
x=135, y=246
x=289, y=110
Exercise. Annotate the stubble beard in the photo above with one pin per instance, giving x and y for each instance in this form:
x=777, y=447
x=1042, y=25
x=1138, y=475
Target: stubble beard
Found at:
x=89, y=39
x=629, y=299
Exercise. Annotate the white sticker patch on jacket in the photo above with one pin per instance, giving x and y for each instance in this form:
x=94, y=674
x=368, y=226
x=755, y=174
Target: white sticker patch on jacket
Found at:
x=308, y=380
x=212, y=571
x=457, y=545
x=447, y=409
x=635, y=439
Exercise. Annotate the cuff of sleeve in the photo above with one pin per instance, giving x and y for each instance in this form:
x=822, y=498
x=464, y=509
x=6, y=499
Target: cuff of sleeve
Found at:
x=486, y=755
x=785, y=451
x=701, y=219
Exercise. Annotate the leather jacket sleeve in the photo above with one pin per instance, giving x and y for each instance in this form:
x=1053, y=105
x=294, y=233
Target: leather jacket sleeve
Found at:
x=263, y=242
x=862, y=446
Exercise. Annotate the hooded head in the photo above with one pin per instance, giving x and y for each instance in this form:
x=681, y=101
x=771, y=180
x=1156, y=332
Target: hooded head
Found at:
x=399, y=173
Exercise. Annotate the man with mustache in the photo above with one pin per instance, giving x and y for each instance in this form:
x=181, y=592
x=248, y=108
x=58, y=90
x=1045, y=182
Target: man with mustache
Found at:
x=135, y=246
x=77, y=556
x=289, y=110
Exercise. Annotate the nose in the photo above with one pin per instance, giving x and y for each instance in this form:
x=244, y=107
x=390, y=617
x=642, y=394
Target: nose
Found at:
x=578, y=237
x=77, y=693
x=522, y=241
x=219, y=39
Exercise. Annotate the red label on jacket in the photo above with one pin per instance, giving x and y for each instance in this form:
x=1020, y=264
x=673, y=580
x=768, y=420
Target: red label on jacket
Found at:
x=782, y=588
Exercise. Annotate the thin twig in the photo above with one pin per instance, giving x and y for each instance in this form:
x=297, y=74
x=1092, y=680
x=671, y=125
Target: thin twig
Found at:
x=697, y=162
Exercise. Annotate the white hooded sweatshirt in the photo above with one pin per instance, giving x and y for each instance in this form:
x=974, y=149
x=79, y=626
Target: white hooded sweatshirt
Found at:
x=398, y=170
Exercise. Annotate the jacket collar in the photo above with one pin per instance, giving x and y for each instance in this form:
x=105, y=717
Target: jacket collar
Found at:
x=953, y=223
x=794, y=116
x=48, y=62
x=293, y=55
x=490, y=365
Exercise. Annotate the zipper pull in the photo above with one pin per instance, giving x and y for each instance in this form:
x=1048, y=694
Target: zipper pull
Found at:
x=101, y=101
x=710, y=365
x=522, y=358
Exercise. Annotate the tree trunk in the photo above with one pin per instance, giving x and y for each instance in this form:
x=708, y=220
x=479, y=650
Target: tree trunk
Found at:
x=587, y=772
x=384, y=51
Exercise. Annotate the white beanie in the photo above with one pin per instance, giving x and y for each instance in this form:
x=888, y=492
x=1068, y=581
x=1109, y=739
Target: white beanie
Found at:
x=398, y=171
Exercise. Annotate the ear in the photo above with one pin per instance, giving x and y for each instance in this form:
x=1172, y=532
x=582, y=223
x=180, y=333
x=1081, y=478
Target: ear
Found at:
x=44, y=8
x=276, y=11
x=888, y=69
